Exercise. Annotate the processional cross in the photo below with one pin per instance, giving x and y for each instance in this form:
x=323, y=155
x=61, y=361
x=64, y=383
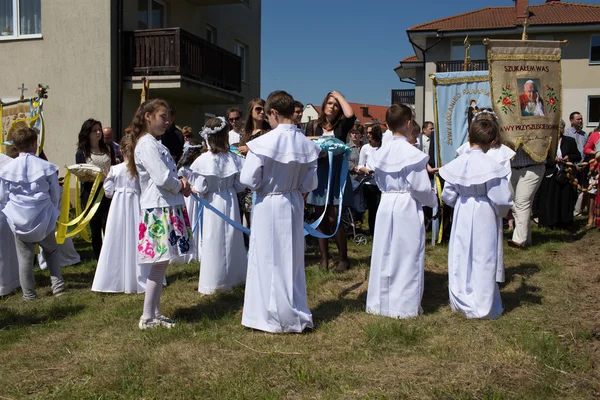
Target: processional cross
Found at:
x=22, y=89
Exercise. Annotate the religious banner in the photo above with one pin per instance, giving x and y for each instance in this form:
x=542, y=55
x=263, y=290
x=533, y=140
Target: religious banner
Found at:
x=525, y=80
x=23, y=112
x=457, y=96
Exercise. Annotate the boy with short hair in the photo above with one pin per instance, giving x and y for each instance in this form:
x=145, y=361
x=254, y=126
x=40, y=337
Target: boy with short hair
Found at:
x=29, y=185
x=279, y=167
x=398, y=259
x=477, y=187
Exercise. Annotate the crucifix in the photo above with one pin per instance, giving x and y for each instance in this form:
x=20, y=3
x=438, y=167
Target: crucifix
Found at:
x=467, y=62
x=525, y=25
x=22, y=89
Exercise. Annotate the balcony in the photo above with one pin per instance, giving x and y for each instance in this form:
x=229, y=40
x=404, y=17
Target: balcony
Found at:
x=174, y=58
x=403, y=96
x=457, y=66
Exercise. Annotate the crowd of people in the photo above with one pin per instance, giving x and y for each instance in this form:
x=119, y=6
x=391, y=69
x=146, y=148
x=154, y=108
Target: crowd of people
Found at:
x=171, y=197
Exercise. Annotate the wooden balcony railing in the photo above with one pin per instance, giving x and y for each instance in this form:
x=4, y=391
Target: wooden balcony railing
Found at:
x=456, y=66
x=173, y=51
x=403, y=96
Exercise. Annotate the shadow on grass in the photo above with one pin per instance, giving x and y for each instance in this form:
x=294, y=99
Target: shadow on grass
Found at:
x=75, y=278
x=525, y=293
x=435, y=293
x=214, y=308
x=330, y=310
x=185, y=275
x=10, y=319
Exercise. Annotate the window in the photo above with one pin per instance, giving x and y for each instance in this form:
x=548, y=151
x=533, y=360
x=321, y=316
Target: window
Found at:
x=595, y=49
x=20, y=18
x=152, y=14
x=211, y=34
x=242, y=51
x=476, y=52
x=593, y=110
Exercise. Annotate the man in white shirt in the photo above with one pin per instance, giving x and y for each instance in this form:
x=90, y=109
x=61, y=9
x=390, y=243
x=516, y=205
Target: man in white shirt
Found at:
x=425, y=136
x=234, y=116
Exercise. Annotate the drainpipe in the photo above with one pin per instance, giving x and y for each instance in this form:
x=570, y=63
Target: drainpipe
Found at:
x=119, y=68
x=424, y=51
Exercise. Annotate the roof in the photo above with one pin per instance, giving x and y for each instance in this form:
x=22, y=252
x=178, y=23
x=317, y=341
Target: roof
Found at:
x=411, y=59
x=551, y=13
x=376, y=114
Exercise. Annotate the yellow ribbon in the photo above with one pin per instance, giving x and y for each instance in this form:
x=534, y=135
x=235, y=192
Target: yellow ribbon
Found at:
x=438, y=185
x=83, y=218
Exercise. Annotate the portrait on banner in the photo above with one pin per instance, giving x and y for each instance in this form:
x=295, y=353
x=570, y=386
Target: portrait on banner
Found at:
x=530, y=100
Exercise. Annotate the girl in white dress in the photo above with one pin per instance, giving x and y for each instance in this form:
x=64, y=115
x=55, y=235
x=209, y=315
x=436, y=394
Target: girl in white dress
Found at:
x=217, y=179
x=118, y=270
x=9, y=266
x=164, y=231
x=477, y=187
x=280, y=166
x=191, y=152
x=502, y=154
x=398, y=259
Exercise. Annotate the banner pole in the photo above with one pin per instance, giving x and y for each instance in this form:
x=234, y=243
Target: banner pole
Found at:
x=435, y=211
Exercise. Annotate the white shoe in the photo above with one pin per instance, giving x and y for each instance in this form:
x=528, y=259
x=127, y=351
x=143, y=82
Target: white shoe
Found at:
x=164, y=321
x=148, y=323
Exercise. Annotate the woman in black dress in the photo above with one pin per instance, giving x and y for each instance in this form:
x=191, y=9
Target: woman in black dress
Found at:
x=336, y=119
x=557, y=196
x=92, y=150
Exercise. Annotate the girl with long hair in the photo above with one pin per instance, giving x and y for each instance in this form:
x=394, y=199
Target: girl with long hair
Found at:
x=336, y=119
x=91, y=149
x=164, y=230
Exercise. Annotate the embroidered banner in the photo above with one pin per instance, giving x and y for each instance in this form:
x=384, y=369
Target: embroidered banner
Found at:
x=525, y=80
x=16, y=113
x=457, y=96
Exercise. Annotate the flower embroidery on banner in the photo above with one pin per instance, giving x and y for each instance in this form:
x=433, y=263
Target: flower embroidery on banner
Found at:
x=149, y=250
x=177, y=223
x=173, y=238
x=506, y=100
x=551, y=99
x=157, y=228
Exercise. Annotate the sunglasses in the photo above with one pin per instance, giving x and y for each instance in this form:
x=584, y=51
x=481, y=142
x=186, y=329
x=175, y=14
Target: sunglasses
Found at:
x=259, y=109
x=234, y=119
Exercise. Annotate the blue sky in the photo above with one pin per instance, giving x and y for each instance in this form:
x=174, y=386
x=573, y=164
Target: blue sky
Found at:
x=311, y=47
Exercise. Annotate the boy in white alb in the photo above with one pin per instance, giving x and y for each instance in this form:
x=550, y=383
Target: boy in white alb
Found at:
x=398, y=258
x=280, y=166
x=29, y=185
x=9, y=269
x=477, y=187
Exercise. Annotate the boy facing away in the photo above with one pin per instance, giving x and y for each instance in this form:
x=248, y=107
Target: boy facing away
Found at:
x=477, y=187
x=30, y=187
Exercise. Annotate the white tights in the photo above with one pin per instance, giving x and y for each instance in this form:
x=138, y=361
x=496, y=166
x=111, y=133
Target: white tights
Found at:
x=154, y=286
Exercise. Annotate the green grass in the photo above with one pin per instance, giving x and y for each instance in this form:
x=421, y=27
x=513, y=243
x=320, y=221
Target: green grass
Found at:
x=87, y=345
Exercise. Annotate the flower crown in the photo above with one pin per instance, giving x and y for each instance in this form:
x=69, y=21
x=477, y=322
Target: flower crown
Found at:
x=211, y=131
x=484, y=111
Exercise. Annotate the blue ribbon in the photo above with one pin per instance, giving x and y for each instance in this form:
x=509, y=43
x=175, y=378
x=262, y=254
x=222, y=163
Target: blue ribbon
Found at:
x=309, y=229
x=203, y=203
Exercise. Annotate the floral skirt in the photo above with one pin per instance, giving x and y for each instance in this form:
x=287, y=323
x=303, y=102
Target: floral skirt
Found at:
x=164, y=234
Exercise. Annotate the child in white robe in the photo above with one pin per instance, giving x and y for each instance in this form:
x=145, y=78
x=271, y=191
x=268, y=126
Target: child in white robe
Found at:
x=477, y=187
x=279, y=167
x=31, y=186
x=118, y=270
x=190, y=153
x=398, y=257
x=223, y=262
x=9, y=267
x=502, y=154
